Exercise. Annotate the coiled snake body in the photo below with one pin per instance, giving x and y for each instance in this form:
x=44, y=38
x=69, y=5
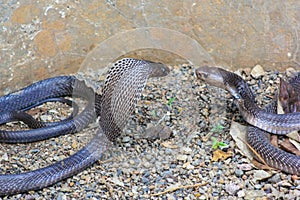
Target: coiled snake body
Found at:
x=262, y=120
x=123, y=86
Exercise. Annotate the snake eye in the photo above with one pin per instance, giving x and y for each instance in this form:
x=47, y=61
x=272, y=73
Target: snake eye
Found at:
x=201, y=75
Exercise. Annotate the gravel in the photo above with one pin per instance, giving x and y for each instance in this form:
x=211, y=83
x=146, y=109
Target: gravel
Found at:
x=173, y=162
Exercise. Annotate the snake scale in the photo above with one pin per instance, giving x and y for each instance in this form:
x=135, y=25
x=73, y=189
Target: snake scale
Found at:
x=122, y=88
x=262, y=121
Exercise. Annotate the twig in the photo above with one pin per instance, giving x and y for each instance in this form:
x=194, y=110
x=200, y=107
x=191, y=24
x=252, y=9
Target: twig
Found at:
x=179, y=187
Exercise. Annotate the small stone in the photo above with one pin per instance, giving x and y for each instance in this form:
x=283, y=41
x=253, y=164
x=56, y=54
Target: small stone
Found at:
x=35, y=150
x=187, y=150
x=126, y=139
x=257, y=186
x=257, y=71
x=5, y=157
x=245, y=167
x=241, y=193
x=232, y=188
x=275, y=179
x=145, y=180
x=296, y=193
x=46, y=118
x=238, y=172
x=157, y=132
x=181, y=157
x=261, y=175
x=253, y=194
x=131, y=162
x=74, y=145
x=165, y=132
x=284, y=183
x=188, y=166
x=61, y=196
x=147, y=164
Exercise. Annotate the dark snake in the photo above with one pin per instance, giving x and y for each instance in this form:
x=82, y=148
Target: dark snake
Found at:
x=262, y=121
x=122, y=88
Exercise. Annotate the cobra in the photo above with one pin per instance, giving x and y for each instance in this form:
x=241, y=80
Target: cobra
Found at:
x=263, y=121
x=122, y=88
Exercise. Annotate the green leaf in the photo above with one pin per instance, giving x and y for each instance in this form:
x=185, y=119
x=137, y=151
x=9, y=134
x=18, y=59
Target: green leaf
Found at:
x=153, y=113
x=171, y=100
x=215, y=143
x=218, y=128
x=222, y=144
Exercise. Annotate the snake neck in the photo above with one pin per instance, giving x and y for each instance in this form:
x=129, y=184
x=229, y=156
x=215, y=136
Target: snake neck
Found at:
x=236, y=85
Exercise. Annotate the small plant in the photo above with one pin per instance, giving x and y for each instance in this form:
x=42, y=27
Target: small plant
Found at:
x=171, y=100
x=153, y=113
x=216, y=144
x=218, y=128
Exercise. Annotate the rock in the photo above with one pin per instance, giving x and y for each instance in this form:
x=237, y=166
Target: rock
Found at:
x=241, y=193
x=5, y=157
x=61, y=196
x=232, y=188
x=181, y=157
x=126, y=139
x=257, y=186
x=245, y=167
x=188, y=166
x=187, y=150
x=253, y=194
x=46, y=118
x=157, y=132
x=238, y=172
x=284, y=183
x=275, y=179
x=261, y=175
x=257, y=71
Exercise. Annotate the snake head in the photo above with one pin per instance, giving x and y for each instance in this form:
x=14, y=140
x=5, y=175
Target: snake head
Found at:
x=158, y=69
x=211, y=75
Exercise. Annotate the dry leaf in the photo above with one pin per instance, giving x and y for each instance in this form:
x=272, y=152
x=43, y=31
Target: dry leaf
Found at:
x=221, y=155
x=261, y=166
x=294, y=135
x=295, y=143
x=238, y=133
x=288, y=146
x=274, y=140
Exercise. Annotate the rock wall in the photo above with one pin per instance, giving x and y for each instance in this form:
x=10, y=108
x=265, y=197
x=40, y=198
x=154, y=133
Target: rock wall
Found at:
x=45, y=38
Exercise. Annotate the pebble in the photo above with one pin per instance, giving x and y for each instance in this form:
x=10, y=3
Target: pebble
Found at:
x=245, y=167
x=46, y=118
x=238, y=172
x=232, y=188
x=61, y=196
x=260, y=175
x=275, y=179
x=126, y=139
x=253, y=194
x=135, y=168
x=241, y=193
x=257, y=71
x=181, y=157
x=5, y=157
